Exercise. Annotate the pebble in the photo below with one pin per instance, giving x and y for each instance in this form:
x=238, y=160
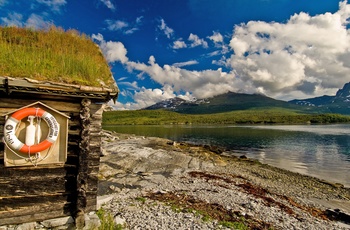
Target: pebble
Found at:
x=168, y=172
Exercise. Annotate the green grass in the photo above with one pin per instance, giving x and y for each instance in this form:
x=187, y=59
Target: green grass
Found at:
x=141, y=199
x=251, y=116
x=107, y=222
x=234, y=225
x=52, y=54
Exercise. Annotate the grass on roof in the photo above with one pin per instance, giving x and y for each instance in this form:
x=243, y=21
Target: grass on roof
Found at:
x=53, y=54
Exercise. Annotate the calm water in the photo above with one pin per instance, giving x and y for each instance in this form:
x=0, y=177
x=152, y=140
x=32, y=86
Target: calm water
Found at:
x=322, y=151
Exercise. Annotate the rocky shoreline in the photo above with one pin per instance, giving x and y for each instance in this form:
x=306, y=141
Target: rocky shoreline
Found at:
x=154, y=183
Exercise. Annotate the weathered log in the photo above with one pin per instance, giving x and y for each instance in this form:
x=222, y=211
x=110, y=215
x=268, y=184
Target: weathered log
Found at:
x=48, y=191
x=82, y=177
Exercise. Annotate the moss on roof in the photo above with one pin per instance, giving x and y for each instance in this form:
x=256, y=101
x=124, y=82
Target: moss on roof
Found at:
x=54, y=55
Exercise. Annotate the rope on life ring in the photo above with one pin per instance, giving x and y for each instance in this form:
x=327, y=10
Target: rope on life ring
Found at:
x=12, y=122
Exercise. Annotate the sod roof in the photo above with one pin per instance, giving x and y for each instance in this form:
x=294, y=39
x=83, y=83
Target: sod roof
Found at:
x=53, y=55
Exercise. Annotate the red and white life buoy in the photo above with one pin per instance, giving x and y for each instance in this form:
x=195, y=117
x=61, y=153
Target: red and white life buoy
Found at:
x=12, y=122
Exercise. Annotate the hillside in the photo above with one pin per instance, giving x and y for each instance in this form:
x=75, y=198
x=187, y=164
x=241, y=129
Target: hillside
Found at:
x=249, y=116
x=229, y=102
x=340, y=103
x=53, y=55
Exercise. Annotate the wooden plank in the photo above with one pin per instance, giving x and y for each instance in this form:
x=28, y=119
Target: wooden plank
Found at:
x=31, y=171
x=35, y=213
x=44, y=192
x=37, y=186
x=10, y=103
x=7, y=204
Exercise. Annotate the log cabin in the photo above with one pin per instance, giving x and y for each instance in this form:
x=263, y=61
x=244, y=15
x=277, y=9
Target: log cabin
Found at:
x=49, y=169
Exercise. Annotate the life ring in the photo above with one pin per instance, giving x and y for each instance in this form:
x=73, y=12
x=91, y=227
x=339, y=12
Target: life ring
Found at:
x=12, y=122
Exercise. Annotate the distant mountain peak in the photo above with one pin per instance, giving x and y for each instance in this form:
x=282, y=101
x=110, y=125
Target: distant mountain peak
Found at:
x=226, y=102
x=340, y=103
x=231, y=101
x=344, y=92
x=170, y=103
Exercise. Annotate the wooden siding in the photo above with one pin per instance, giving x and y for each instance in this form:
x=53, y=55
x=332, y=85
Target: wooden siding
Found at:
x=37, y=193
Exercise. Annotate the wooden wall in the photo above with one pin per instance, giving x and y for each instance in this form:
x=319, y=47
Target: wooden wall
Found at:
x=38, y=193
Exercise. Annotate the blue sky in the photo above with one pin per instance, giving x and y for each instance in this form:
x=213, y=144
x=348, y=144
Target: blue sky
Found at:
x=159, y=49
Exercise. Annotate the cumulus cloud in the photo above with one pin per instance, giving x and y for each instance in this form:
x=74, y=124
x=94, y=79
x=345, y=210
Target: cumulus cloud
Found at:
x=146, y=97
x=179, y=44
x=216, y=37
x=166, y=29
x=109, y=4
x=201, y=84
x=113, y=51
x=307, y=53
x=196, y=41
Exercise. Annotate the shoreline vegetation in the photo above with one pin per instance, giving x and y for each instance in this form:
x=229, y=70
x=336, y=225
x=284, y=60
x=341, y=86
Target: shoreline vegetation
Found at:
x=251, y=116
x=185, y=186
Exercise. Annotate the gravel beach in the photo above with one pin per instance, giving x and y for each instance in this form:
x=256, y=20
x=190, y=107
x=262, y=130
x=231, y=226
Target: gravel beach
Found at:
x=155, y=183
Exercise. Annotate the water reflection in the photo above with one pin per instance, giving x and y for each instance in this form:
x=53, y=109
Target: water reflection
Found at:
x=322, y=151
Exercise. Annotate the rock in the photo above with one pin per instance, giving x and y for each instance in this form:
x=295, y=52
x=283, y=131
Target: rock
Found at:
x=57, y=222
x=119, y=221
x=91, y=221
x=154, y=167
x=101, y=200
x=27, y=226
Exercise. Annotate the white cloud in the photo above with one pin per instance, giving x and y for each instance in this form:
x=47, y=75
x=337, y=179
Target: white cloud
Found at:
x=304, y=54
x=139, y=20
x=196, y=41
x=109, y=4
x=113, y=51
x=115, y=25
x=37, y=22
x=55, y=5
x=125, y=27
x=199, y=83
x=187, y=63
x=13, y=19
x=131, y=31
x=129, y=85
x=216, y=37
x=122, y=78
x=179, y=44
x=34, y=21
x=166, y=29
x=146, y=97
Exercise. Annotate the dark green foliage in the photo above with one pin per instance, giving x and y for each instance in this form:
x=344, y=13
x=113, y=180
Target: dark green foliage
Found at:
x=251, y=116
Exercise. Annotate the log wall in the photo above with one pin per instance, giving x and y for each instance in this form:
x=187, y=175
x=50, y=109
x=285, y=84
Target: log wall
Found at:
x=38, y=193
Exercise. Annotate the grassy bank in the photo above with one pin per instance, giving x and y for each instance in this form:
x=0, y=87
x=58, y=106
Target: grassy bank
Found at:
x=251, y=116
x=52, y=54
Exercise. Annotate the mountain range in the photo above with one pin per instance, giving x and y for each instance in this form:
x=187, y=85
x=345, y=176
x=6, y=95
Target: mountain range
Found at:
x=231, y=101
x=340, y=103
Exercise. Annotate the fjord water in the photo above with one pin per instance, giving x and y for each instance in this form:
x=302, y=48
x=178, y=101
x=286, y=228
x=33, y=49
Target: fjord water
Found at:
x=322, y=151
